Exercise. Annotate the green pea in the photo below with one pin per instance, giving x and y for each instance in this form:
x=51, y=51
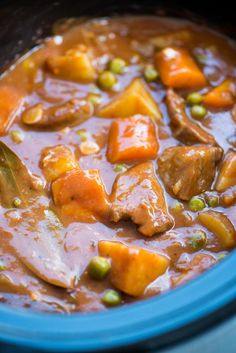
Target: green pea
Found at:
x=120, y=168
x=98, y=267
x=201, y=58
x=117, y=66
x=194, y=98
x=150, y=74
x=107, y=80
x=83, y=134
x=17, y=202
x=112, y=298
x=198, y=112
x=94, y=99
x=17, y=136
x=196, y=204
x=212, y=200
x=199, y=240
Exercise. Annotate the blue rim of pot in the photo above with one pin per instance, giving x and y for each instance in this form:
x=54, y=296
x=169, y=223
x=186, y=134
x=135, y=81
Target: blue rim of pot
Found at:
x=181, y=312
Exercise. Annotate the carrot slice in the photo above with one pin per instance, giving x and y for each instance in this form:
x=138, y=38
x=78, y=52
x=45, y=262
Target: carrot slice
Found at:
x=178, y=69
x=132, y=138
x=223, y=96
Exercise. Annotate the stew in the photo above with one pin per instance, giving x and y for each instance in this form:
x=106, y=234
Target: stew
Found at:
x=117, y=162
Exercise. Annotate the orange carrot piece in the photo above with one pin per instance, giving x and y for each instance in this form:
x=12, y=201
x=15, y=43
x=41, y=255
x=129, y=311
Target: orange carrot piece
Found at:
x=178, y=69
x=132, y=138
x=10, y=102
x=222, y=96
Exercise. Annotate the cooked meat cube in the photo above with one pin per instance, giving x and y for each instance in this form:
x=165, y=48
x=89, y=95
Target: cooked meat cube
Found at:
x=183, y=128
x=73, y=111
x=81, y=195
x=134, y=99
x=227, y=174
x=132, y=139
x=178, y=69
x=132, y=268
x=137, y=194
x=187, y=171
x=56, y=160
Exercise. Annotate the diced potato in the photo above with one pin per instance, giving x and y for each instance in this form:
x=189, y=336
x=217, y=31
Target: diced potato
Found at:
x=81, y=191
x=132, y=138
x=57, y=160
x=219, y=224
x=135, y=99
x=132, y=268
x=175, y=38
x=223, y=96
x=227, y=175
x=178, y=69
x=10, y=101
x=75, y=65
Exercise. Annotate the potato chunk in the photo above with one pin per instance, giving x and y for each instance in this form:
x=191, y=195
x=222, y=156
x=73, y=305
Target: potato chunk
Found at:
x=135, y=99
x=219, y=224
x=131, y=139
x=75, y=65
x=227, y=175
x=222, y=96
x=132, y=268
x=81, y=193
x=137, y=194
x=176, y=38
x=57, y=160
x=10, y=101
x=178, y=69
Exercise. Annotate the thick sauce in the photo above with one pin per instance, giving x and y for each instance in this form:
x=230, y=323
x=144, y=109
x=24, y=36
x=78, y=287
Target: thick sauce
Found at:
x=67, y=246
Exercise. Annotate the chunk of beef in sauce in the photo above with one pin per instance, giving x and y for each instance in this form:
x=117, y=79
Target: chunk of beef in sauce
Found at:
x=187, y=171
x=184, y=129
x=138, y=195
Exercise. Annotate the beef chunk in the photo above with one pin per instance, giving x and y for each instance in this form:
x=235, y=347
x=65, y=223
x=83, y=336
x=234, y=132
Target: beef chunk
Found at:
x=188, y=171
x=138, y=195
x=183, y=128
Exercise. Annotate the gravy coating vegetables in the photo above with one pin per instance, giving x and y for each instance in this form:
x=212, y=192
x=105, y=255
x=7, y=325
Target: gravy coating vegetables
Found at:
x=117, y=163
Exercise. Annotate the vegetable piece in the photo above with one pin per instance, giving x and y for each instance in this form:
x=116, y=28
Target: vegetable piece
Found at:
x=98, y=267
x=81, y=191
x=150, y=73
x=11, y=101
x=57, y=160
x=15, y=179
x=227, y=174
x=222, y=96
x=17, y=136
x=198, y=112
x=41, y=250
x=112, y=298
x=183, y=128
x=196, y=204
x=74, y=111
x=188, y=170
x=219, y=224
x=137, y=194
x=107, y=80
x=212, y=200
x=131, y=139
x=199, y=240
x=135, y=99
x=120, y=168
x=117, y=66
x=176, y=38
x=178, y=69
x=194, y=98
x=75, y=65
x=89, y=147
x=132, y=268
